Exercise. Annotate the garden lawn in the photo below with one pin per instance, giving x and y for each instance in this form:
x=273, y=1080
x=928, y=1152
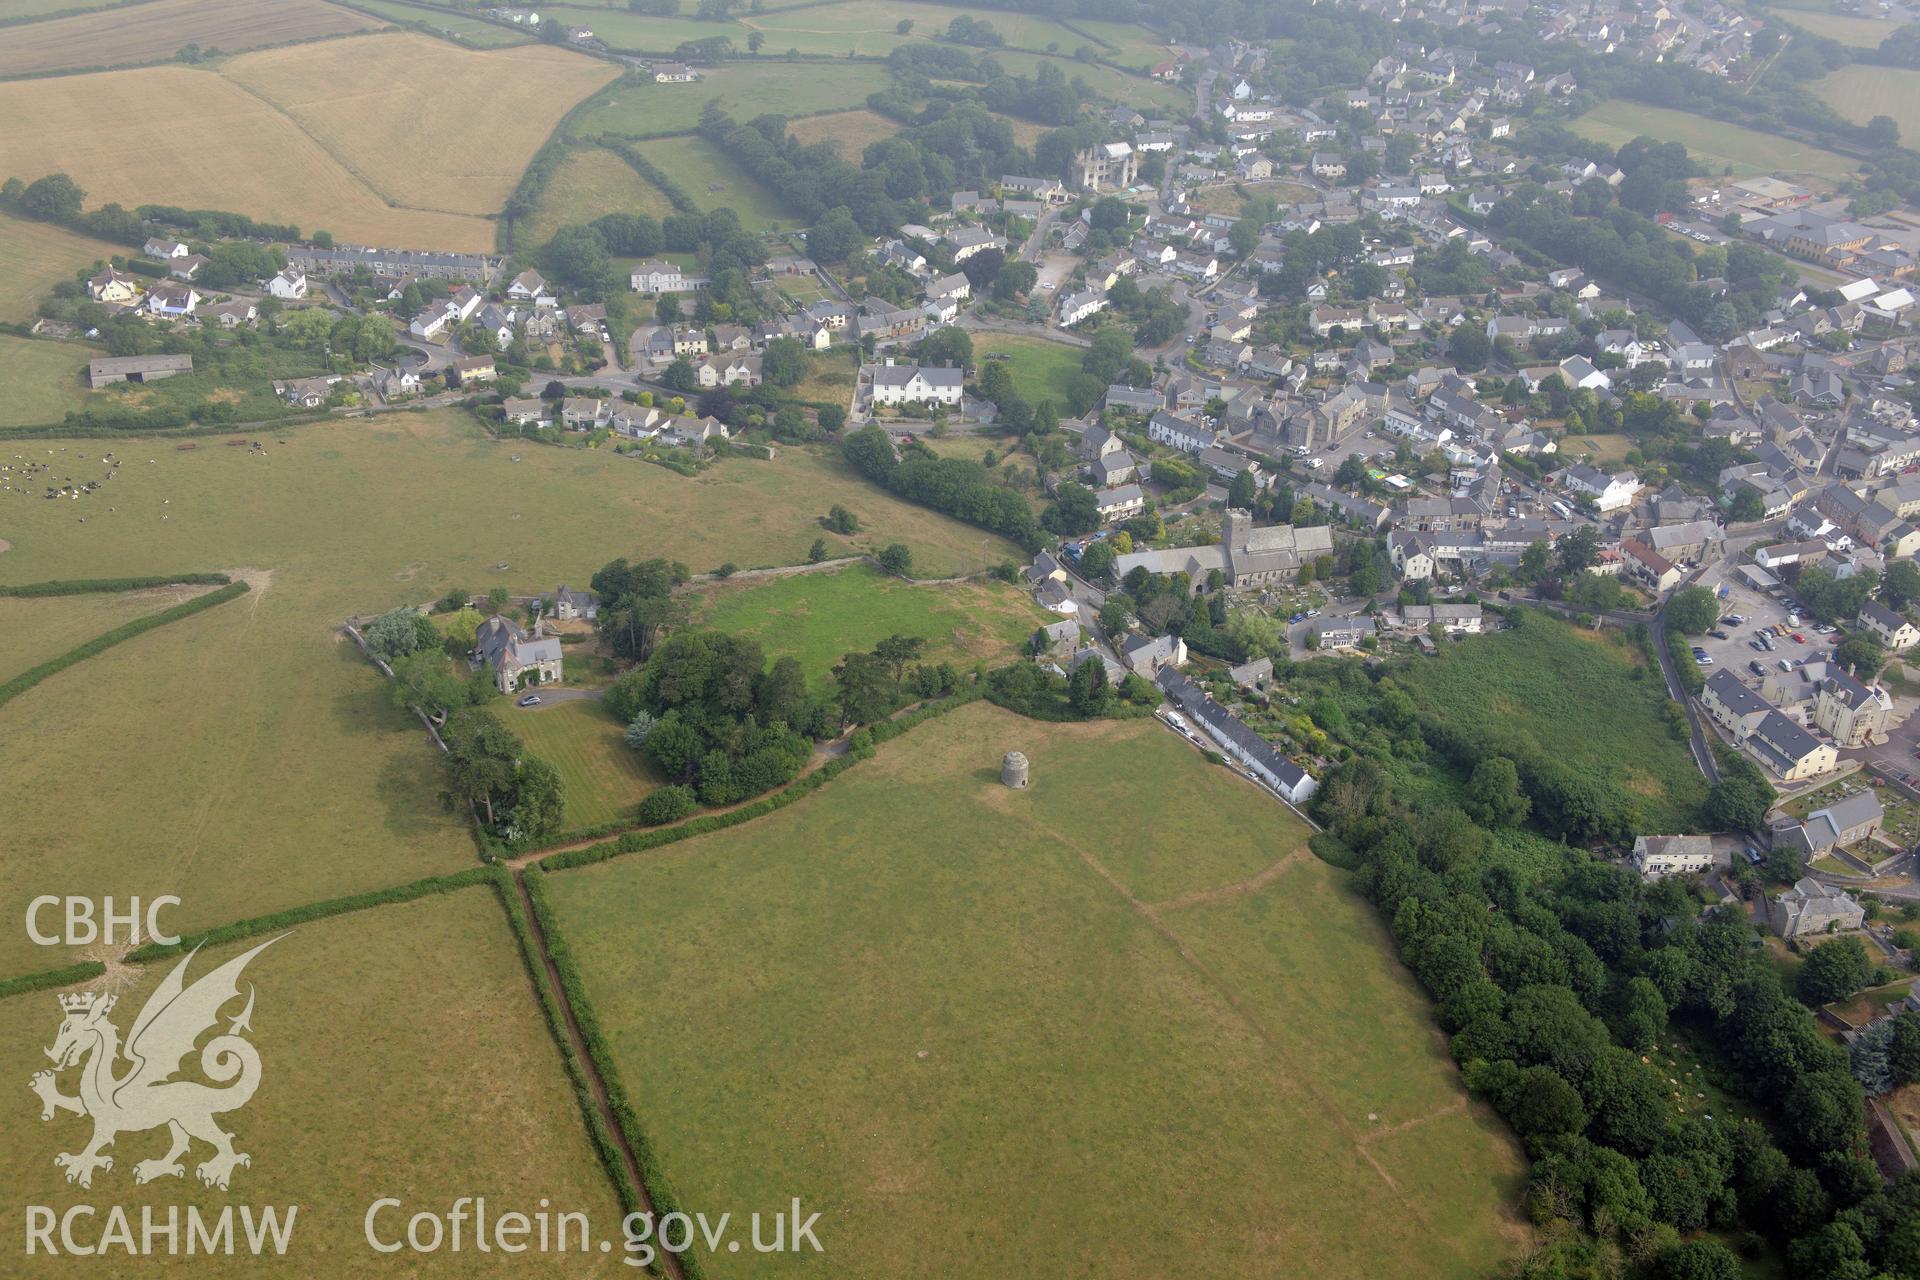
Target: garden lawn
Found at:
x=926, y=1005
x=40, y=381
x=247, y=758
x=713, y=181
x=820, y=617
x=403, y=1054
x=38, y=256
x=744, y=89
x=1554, y=691
x=1714, y=143
x=605, y=778
x=32, y=631
x=1040, y=368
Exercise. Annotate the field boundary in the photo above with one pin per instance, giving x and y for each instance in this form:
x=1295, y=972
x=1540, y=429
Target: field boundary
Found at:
x=66, y=976
x=111, y=586
x=28, y=19
x=32, y=676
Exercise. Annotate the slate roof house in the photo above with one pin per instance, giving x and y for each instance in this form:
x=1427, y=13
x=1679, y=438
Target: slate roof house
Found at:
x=569, y=604
x=1813, y=908
x=1236, y=739
x=516, y=658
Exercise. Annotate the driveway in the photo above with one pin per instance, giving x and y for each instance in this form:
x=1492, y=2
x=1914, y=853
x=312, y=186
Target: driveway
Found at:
x=554, y=697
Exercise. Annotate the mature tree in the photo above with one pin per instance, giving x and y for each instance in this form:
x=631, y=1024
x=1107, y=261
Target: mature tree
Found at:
x=1579, y=549
x=1698, y=1260
x=1835, y=971
x=1735, y=804
x=482, y=758
x=834, y=237
x=841, y=520
x=1641, y=1015
x=1469, y=346
x=784, y=363
x=539, y=800
x=866, y=688
x=424, y=681
x=396, y=633
x=948, y=346
x=54, y=198
x=1903, y=1051
x=896, y=559
x=667, y=804
x=674, y=746
x=1862, y=653
x=1087, y=689
x=1074, y=510
x=1494, y=796
x=1692, y=610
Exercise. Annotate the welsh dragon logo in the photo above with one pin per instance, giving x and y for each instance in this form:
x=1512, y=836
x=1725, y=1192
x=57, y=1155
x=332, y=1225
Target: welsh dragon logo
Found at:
x=145, y=1095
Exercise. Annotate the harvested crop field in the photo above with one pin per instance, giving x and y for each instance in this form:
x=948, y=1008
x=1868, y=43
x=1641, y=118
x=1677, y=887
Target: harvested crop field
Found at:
x=38, y=255
x=152, y=32
x=222, y=146
x=1860, y=93
x=424, y=123
x=852, y=131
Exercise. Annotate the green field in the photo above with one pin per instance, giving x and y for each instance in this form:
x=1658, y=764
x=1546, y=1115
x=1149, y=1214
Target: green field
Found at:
x=869, y=27
x=1040, y=368
x=40, y=381
x=1137, y=46
x=267, y=766
x=402, y=1055
x=477, y=32
x=975, y=1025
x=1554, y=691
x=1138, y=92
x=38, y=256
x=590, y=182
x=745, y=89
x=714, y=181
x=1860, y=93
x=618, y=29
x=820, y=617
x=1714, y=143
x=1858, y=33
x=605, y=778
x=48, y=8
x=34, y=630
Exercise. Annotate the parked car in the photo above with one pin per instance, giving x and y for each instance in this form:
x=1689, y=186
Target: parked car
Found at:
x=1799, y=638
x=1756, y=668
x=531, y=700
x=1718, y=635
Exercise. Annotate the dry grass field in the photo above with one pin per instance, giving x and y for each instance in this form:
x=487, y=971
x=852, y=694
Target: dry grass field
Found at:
x=424, y=123
x=222, y=147
x=853, y=131
x=34, y=630
x=158, y=30
x=1860, y=93
x=1714, y=143
x=590, y=182
x=37, y=256
x=1858, y=33
x=402, y=1054
x=1074, y=1026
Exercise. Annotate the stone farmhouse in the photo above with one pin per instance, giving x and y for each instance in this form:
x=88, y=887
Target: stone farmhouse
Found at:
x=1811, y=908
x=516, y=658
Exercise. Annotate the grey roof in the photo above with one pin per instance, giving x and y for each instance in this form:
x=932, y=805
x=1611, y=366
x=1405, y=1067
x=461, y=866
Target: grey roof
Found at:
x=1734, y=695
x=1190, y=698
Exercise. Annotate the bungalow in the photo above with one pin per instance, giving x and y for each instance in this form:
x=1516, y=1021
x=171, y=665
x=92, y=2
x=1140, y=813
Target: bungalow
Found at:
x=674, y=73
x=1340, y=633
x=527, y=411
x=113, y=286
x=233, y=314
x=164, y=249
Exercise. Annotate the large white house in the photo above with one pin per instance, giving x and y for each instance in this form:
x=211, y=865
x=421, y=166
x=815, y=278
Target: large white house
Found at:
x=1609, y=492
x=897, y=384
x=664, y=277
x=288, y=284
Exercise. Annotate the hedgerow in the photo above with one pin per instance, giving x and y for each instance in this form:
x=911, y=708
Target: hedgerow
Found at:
x=87, y=586
x=659, y=1191
x=311, y=911
x=64, y=977
x=126, y=631
x=638, y=841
